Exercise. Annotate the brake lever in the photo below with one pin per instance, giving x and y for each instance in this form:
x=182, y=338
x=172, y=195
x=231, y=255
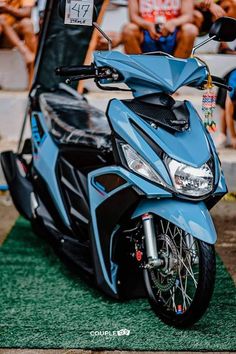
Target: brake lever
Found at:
x=218, y=84
x=111, y=88
x=99, y=75
x=223, y=86
x=78, y=78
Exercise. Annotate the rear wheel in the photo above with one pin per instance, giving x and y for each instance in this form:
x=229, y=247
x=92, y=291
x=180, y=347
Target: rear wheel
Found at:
x=180, y=289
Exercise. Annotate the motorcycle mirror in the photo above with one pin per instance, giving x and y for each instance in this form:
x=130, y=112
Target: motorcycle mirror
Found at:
x=223, y=30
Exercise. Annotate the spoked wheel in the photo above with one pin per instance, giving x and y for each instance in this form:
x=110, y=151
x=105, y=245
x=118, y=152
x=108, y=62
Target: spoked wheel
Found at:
x=181, y=288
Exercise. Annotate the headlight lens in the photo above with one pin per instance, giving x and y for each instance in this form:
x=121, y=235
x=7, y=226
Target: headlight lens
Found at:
x=137, y=164
x=191, y=181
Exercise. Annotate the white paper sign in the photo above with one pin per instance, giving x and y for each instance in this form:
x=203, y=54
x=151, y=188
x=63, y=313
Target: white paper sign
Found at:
x=79, y=12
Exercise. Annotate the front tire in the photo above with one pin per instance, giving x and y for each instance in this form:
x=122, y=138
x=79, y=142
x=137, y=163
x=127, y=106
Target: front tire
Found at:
x=179, y=292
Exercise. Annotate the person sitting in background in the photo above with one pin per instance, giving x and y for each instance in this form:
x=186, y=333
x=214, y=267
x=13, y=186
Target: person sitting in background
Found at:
x=205, y=13
x=227, y=102
x=230, y=109
x=16, y=28
x=229, y=7
x=160, y=26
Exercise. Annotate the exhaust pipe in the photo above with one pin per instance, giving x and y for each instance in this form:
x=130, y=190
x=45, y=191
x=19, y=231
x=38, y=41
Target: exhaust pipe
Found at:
x=19, y=186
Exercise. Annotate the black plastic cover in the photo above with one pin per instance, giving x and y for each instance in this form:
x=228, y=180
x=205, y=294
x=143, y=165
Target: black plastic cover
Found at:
x=72, y=120
x=162, y=110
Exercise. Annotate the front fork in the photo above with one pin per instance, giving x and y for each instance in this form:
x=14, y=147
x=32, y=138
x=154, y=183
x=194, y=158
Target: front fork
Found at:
x=154, y=260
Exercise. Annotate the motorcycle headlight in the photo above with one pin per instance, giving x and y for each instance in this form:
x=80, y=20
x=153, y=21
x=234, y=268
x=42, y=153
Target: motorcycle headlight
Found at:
x=137, y=164
x=195, y=182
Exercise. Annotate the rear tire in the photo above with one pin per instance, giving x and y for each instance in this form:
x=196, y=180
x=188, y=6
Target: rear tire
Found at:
x=174, y=311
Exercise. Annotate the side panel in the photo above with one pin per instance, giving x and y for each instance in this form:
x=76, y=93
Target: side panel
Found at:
x=219, y=174
x=194, y=218
x=109, y=208
x=45, y=154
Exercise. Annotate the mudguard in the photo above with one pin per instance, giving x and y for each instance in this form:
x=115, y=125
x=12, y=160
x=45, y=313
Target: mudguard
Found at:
x=193, y=218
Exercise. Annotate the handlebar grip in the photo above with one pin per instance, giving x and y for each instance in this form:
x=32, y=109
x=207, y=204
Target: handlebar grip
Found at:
x=76, y=70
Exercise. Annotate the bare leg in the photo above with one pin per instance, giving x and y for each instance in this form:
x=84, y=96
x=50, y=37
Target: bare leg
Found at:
x=223, y=125
x=198, y=19
x=26, y=31
x=132, y=38
x=229, y=112
x=2, y=21
x=185, y=40
x=15, y=41
x=102, y=44
x=222, y=136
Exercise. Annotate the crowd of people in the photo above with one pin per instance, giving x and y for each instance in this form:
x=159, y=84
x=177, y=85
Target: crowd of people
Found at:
x=155, y=25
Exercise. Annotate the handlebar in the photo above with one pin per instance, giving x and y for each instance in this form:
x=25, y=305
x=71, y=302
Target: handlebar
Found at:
x=76, y=70
x=83, y=72
x=218, y=81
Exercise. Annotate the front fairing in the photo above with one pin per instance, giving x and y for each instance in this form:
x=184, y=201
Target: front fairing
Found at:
x=146, y=74
x=192, y=147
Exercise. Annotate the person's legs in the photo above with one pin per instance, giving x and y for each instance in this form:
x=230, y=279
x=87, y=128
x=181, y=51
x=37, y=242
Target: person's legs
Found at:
x=15, y=41
x=198, y=19
x=132, y=37
x=223, y=125
x=167, y=44
x=229, y=113
x=25, y=29
x=185, y=40
x=222, y=136
x=1, y=25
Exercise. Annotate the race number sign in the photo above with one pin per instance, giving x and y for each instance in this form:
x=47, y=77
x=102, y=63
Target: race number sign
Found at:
x=79, y=12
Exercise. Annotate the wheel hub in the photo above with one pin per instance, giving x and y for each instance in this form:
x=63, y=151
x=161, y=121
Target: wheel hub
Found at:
x=165, y=276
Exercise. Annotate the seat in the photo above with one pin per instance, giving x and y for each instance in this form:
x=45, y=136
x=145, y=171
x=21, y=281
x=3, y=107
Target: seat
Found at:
x=71, y=120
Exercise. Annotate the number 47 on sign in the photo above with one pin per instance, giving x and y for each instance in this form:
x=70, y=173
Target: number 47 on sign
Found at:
x=79, y=12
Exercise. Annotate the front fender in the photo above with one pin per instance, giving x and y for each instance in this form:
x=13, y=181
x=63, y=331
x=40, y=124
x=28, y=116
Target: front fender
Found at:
x=193, y=218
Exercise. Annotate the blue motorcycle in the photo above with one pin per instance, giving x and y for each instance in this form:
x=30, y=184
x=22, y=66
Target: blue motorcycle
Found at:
x=125, y=198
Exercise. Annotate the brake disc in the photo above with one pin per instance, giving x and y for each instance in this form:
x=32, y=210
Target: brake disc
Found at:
x=164, y=277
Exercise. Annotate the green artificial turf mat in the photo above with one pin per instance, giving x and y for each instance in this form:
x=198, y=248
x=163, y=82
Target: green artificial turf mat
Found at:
x=42, y=305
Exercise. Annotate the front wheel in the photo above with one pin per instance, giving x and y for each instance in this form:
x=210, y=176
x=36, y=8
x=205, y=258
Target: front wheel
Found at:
x=180, y=289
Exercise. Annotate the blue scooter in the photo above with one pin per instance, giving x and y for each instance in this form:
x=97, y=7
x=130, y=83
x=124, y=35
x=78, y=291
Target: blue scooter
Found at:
x=126, y=198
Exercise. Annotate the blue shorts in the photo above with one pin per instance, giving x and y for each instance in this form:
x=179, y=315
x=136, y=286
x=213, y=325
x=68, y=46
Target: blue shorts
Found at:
x=164, y=44
x=232, y=83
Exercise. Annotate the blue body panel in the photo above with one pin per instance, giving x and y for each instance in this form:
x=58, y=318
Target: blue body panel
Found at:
x=45, y=164
x=190, y=147
x=97, y=196
x=150, y=190
x=146, y=74
x=193, y=218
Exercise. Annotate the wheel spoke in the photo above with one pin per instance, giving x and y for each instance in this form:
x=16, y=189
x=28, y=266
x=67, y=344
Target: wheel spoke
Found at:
x=177, y=279
x=191, y=275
